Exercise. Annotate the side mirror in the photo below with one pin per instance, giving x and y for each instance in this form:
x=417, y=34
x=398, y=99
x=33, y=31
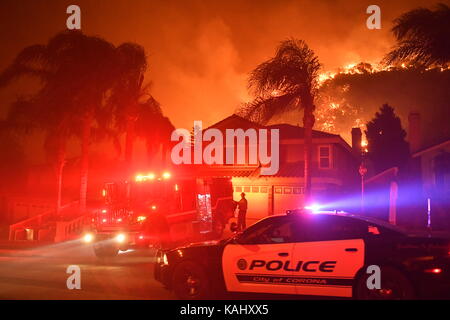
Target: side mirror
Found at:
x=233, y=227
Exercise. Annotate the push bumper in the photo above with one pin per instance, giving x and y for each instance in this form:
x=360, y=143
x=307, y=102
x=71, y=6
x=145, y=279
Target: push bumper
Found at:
x=162, y=272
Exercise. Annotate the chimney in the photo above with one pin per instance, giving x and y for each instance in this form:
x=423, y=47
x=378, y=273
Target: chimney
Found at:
x=356, y=141
x=414, y=134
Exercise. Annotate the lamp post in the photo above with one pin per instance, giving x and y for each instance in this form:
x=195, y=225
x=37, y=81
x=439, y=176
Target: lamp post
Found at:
x=362, y=171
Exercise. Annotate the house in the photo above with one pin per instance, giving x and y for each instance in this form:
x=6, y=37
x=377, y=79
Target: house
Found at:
x=433, y=163
x=334, y=169
x=417, y=195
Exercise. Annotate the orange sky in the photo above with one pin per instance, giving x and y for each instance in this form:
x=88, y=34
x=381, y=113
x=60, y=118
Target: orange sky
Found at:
x=200, y=52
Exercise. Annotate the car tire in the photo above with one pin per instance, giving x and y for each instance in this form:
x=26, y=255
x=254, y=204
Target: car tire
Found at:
x=395, y=285
x=106, y=251
x=190, y=282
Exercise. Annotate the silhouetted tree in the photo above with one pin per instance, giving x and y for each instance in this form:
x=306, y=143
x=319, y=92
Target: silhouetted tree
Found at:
x=129, y=91
x=387, y=147
x=137, y=113
x=154, y=128
x=423, y=37
x=286, y=82
x=77, y=72
x=12, y=162
x=350, y=100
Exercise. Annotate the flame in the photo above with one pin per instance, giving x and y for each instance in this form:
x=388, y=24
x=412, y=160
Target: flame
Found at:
x=334, y=107
x=363, y=67
x=276, y=93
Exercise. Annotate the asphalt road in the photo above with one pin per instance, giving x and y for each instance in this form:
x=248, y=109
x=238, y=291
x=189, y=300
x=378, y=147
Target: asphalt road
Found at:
x=41, y=274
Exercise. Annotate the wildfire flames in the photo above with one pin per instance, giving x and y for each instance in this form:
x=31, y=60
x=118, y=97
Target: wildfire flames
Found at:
x=363, y=67
x=331, y=107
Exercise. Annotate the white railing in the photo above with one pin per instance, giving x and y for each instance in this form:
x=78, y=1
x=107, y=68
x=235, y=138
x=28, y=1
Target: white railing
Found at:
x=37, y=220
x=66, y=230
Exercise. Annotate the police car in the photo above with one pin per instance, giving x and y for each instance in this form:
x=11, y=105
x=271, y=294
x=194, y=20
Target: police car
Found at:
x=305, y=253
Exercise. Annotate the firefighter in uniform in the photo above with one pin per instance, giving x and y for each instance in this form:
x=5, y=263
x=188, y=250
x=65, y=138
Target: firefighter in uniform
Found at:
x=242, y=204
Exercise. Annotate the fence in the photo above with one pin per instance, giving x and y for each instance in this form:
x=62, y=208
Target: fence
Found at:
x=37, y=220
x=66, y=230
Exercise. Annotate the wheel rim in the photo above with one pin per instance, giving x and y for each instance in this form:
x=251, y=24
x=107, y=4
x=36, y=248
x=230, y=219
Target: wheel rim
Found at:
x=191, y=284
x=391, y=289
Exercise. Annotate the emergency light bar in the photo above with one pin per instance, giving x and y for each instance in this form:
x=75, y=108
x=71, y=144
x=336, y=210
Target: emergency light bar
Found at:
x=151, y=176
x=140, y=177
x=313, y=207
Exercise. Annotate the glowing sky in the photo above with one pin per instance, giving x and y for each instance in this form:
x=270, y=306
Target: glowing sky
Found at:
x=200, y=52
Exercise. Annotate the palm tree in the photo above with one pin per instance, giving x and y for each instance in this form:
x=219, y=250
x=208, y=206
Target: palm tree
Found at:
x=423, y=37
x=128, y=92
x=286, y=82
x=76, y=72
x=26, y=116
x=137, y=113
x=155, y=129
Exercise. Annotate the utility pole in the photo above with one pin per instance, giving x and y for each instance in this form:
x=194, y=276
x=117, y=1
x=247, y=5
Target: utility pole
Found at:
x=362, y=171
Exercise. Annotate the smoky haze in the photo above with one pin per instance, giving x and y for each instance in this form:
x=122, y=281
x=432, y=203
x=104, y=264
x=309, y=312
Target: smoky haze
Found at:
x=200, y=52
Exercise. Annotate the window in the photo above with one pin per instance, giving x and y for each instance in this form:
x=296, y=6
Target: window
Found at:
x=441, y=166
x=328, y=227
x=324, y=157
x=269, y=231
x=298, y=190
x=287, y=190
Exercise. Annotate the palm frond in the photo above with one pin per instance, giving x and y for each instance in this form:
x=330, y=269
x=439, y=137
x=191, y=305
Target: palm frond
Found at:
x=262, y=110
x=31, y=61
x=423, y=37
x=294, y=67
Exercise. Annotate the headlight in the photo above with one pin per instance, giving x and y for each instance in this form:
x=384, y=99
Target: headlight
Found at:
x=141, y=218
x=120, y=238
x=165, y=261
x=88, y=237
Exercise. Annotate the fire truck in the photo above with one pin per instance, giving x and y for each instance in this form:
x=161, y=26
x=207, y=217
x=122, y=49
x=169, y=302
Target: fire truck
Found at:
x=160, y=209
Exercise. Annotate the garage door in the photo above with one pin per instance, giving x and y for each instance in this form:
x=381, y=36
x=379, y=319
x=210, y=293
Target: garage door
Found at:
x=287, y=198
x=258, y=201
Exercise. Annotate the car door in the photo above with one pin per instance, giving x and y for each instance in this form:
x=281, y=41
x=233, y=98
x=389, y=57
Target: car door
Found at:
x=256, y=261
x=330, y=251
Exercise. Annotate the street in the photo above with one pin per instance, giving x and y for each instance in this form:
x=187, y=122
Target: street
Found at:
x=41, y=274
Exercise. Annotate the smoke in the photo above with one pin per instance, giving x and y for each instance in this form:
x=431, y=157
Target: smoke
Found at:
x=200, y=52
x=208, y=84
x=201, y=67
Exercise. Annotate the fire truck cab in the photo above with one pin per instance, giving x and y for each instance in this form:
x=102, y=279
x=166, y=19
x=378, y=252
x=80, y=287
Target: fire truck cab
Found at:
x=162, y=210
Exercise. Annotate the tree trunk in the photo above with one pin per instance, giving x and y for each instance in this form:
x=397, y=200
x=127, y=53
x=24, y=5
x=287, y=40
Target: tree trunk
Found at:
x=308, y=123
x=60, y=161
x=129, y=142
x=150, y=146
x=85, y=139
